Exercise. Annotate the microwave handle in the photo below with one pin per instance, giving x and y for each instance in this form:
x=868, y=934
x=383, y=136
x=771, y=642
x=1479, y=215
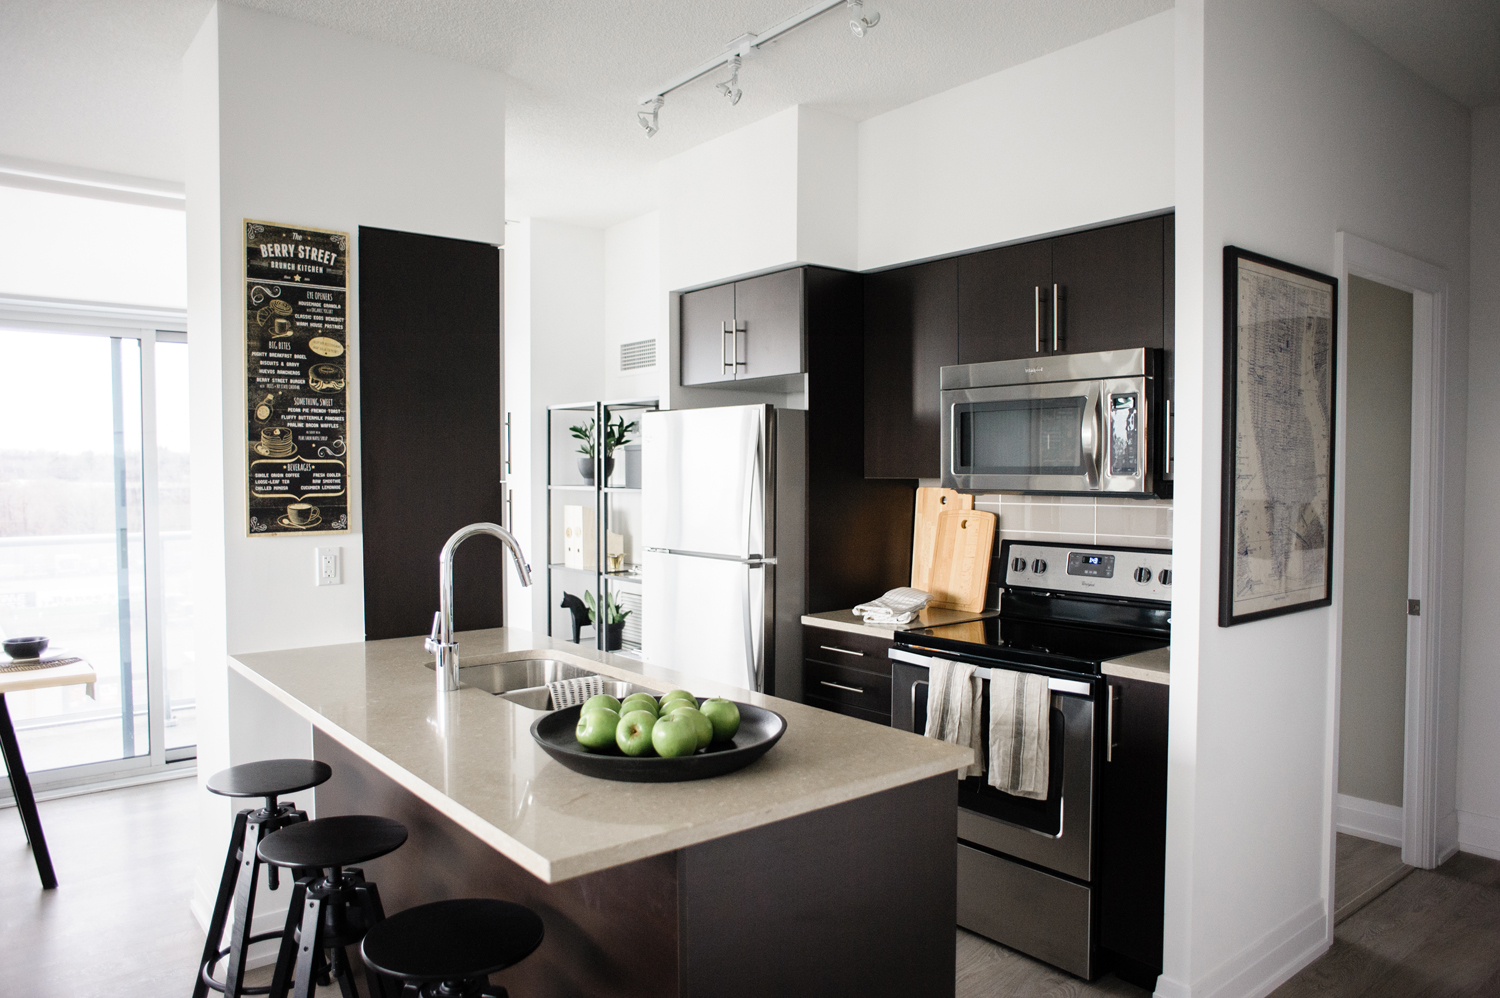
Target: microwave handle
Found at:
x=1038, y=294
x=1091, y=440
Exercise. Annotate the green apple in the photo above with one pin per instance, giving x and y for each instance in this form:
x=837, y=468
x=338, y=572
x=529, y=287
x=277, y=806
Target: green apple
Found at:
x=633, y=733
x=596, y=728
x=674, y=735
x=602, y=700
x=724, y=716
x=701, y=724
x=642, y=701
x=679, y=695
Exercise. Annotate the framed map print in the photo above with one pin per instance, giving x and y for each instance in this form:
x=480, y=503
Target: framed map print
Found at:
x=1276, y=533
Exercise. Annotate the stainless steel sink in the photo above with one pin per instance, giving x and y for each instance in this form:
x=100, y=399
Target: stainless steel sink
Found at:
x=517, y=674
x=541, y=699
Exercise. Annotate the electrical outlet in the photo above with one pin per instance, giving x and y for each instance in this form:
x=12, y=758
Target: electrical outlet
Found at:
x=330, y=566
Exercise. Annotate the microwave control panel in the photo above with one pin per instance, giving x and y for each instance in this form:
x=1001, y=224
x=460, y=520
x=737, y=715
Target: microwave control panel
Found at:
x=1137, y=573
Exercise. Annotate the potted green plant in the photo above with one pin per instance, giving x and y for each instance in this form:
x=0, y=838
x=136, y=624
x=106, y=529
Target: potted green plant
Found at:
x=614, y=619
x=615, y=434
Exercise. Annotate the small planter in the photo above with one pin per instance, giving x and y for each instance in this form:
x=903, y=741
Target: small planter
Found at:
x=586, y=468
x=614, y=636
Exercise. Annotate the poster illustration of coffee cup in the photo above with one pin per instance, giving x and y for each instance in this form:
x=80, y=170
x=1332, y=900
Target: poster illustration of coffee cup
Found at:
x=296, y=361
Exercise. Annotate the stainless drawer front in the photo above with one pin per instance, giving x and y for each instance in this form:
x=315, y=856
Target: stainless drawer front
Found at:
x=1039, y=914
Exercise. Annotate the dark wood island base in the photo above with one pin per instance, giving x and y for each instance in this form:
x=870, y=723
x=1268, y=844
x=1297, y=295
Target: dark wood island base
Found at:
x=856, y=899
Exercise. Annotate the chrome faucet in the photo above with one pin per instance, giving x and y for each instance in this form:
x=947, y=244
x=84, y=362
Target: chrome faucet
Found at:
x=441, y=642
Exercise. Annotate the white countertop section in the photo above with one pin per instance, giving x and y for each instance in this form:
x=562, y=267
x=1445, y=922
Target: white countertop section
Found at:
x=470, y=755
x=848, y=620
x=1153, y=666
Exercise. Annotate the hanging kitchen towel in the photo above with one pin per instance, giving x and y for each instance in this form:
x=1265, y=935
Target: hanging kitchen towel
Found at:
x=572, y=692
x=1020, y=709
x=953, y=699
x=899, y=606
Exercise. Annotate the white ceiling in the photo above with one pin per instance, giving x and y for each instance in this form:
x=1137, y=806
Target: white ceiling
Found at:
x=95, y=83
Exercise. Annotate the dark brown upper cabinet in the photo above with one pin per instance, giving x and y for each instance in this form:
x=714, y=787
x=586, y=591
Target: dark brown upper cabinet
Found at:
x=747, y=329
x=1102, y=289
x=911, y=332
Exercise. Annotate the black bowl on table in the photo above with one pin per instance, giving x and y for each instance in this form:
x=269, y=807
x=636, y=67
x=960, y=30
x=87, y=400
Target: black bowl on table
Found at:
x=31, y=647
x=759, y=730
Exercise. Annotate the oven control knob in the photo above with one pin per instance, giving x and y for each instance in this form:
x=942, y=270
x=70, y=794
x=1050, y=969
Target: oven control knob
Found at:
x=1019, y=564
x=1165, y=578
x=1143, y=575
x=1039, y=566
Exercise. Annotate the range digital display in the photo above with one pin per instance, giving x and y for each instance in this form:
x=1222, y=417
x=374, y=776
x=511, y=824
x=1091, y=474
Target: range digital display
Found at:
x=1097, y=566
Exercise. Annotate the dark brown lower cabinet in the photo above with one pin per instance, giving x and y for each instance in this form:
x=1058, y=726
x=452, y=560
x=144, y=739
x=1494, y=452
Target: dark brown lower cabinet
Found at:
x=1133, y=828
x=847, y=673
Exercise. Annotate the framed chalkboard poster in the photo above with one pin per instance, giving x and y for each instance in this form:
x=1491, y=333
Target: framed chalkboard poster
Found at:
x=296, y=360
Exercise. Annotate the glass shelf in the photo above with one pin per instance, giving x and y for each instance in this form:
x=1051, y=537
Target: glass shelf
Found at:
x=574, y=488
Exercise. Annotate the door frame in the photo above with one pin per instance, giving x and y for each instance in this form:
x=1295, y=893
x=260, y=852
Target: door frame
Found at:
x=1425, y=841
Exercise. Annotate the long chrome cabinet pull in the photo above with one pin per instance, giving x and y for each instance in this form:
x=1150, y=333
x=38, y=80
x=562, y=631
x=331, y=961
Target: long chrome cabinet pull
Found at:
x=1057, y=292
x=840, y=686
x=1109, y=735
x=740, y=327
x=842, y=651
x=1038, y=293
x=724, y=333
x=1169, y=436
x=507, y=443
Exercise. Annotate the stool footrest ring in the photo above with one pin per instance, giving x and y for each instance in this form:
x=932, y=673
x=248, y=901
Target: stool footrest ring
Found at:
x=206, y=971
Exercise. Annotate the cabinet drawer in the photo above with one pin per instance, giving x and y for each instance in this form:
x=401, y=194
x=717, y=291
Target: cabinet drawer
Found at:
x=854, y=687
x=874, y=717
x=843, y=648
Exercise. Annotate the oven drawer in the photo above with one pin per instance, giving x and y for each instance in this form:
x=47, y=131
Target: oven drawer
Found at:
x=867, y=691
x=866, y=652
x=1026, y=909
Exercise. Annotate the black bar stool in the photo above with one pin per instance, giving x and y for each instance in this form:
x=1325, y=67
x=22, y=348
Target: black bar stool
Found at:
x=448, y=949
x=331, y=909
x=269, y=779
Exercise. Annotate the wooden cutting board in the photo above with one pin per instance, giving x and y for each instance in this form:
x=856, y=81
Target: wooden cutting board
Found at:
x=930, y=502
x=961, y=559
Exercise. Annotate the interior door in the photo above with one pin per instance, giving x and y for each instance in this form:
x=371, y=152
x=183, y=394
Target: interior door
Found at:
x=768, y=311
x=707, y=316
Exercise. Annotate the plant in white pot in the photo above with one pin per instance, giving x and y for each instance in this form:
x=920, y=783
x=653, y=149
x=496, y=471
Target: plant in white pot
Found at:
x=615, y=435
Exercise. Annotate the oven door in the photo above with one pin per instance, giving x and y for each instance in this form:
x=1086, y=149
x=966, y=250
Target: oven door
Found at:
x=1067, y=436
x=1056, y=833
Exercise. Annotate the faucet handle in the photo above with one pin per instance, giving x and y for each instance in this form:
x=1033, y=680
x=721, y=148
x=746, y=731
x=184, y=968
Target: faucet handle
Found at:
x=435, y=638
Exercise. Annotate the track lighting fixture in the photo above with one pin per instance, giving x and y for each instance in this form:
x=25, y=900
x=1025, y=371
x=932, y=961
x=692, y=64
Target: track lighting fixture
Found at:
x=735, y=52
x=858, y=23
x=648, y=120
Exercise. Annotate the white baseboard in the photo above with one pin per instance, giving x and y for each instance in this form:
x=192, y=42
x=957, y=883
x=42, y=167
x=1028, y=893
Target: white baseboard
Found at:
x=1479, y=834
x=262, y=954
x=1369, y=820
x=1265, y=964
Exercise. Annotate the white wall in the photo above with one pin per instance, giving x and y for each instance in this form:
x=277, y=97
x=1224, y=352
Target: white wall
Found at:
x=1479, y=725
x=293, y=123
x=1074, y=138
x=635, y=306
x=1289, y=128
x=554, y=337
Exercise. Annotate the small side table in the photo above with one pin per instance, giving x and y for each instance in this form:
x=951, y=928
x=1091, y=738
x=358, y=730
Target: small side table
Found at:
x=34, y=675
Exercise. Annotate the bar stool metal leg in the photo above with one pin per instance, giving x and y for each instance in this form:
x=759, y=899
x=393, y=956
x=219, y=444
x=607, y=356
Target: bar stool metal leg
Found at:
x=20, y=785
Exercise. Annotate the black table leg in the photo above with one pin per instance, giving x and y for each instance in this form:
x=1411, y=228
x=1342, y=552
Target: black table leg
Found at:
x=25, y=801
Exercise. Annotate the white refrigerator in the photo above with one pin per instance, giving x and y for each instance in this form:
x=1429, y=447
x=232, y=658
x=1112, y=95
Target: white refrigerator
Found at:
x=723, y=511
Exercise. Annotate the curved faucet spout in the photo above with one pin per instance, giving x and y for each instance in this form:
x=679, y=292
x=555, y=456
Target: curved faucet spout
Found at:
x=441, y=642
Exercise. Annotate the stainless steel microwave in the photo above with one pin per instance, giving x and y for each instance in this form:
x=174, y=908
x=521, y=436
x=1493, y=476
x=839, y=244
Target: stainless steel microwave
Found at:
x=1064, y=424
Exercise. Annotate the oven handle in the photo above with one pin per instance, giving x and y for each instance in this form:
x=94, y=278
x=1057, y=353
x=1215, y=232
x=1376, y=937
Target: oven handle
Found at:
x=1054, y=684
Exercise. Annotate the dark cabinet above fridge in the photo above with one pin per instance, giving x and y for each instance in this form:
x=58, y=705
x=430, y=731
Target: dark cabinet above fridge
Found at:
x=744, y=330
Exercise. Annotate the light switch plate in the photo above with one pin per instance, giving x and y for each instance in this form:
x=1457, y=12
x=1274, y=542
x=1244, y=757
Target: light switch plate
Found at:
x=329, y=565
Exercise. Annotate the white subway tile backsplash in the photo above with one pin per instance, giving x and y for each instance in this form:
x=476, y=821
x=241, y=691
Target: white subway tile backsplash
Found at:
x=1082, y=519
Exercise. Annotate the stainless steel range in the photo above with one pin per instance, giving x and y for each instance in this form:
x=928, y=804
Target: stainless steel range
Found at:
x=1027, y=868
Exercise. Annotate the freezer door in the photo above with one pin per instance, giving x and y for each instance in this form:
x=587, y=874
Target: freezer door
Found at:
x=704, y=477
x=707, y=617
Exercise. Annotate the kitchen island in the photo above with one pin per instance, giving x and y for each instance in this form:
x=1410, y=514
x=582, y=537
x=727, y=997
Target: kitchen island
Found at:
x=826, y=867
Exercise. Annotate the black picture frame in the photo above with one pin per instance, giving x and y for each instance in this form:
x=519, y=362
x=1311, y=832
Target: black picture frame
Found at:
x=1280, y=371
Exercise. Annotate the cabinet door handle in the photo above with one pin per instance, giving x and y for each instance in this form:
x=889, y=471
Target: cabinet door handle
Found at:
x=842, y=651
x=1057, y=295
x=841, y=686
x=1038, y=296
x=1109, y=737
x=1169, y=436
x=741, y=327
x=507, y=443
x=510, y=509
x=726, y=364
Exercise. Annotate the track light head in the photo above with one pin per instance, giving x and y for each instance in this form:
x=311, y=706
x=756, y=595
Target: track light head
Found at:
x=858, y=23
x=648, y=119
x=731, y=87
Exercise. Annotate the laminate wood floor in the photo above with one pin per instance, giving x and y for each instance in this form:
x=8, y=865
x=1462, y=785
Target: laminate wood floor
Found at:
x=118, y=925
x=1363, y=870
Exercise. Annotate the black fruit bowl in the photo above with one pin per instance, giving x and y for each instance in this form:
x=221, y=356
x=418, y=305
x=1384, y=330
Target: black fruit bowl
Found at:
x=25, y=647
x=759, y=730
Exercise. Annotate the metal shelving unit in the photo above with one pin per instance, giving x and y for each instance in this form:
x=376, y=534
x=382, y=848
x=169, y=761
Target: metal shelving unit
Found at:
x=616, y=508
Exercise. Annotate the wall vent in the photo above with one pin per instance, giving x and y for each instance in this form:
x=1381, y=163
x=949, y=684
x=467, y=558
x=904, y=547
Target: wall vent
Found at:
x=630, y=599
x=636, y=355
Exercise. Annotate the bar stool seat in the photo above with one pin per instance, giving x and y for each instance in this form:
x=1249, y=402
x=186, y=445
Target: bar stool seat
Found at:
x=269, y=779
x=450, y=948
x=333, y=905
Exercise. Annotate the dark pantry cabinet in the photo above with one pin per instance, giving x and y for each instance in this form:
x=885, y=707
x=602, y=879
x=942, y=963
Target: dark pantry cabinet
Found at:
x=1133, y=828
x=748, y=329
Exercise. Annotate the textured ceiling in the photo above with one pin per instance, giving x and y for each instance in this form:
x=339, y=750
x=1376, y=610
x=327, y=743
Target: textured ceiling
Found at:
x=1453, y=44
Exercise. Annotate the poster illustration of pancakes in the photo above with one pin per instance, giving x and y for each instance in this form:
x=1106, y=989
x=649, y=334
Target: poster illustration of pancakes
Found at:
x=296, y=341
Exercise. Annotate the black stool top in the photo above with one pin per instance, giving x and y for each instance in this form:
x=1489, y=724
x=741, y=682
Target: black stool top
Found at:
x=269, y=777
x=338, y=841
x=452, y=940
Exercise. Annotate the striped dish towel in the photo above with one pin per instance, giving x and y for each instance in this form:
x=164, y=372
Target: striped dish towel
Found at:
x=572, y=692
x=953, y=699
x=1020, y=709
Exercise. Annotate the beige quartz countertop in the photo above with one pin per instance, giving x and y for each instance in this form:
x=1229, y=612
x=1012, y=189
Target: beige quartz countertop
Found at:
x=1153, y=666
x=470, y=755
x=848, y=620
